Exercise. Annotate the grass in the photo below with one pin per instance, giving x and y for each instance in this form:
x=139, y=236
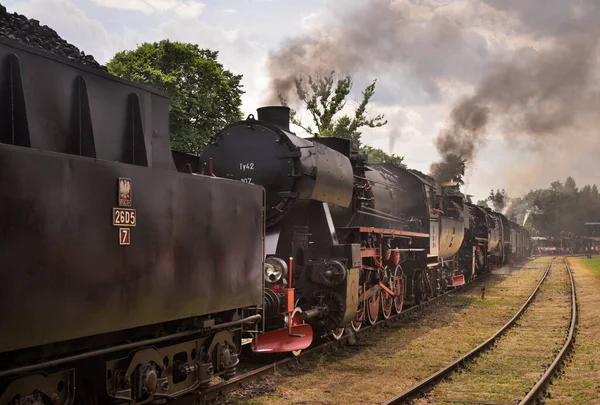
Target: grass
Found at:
x=592, y=264
x=392, y=359
x=519, y=357
x=580, y=381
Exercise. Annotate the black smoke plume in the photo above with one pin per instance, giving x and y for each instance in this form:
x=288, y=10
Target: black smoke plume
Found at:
x=541, y=84
x=540, y=95
x=379, y=37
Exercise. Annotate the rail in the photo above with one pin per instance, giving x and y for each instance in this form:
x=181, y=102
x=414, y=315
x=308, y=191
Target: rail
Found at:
x=537, y=388
x=430, y=381
x=225, y=387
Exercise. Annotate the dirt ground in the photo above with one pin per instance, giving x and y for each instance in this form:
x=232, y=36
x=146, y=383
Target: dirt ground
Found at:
x=580, y=381
x=388, y=361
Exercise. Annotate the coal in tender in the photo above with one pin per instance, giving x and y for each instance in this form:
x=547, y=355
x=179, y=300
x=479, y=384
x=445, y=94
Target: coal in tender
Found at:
x=29, y=32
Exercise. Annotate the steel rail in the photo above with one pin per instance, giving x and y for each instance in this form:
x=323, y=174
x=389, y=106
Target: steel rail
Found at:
x=225, y=387
x=430, y=381
x=537, y=388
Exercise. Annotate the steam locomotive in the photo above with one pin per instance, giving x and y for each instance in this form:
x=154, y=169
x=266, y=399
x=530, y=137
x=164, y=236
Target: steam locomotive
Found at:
x=364, y=238
x=130, y=273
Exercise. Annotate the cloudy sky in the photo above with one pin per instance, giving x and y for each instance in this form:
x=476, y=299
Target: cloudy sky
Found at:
x=425, y=54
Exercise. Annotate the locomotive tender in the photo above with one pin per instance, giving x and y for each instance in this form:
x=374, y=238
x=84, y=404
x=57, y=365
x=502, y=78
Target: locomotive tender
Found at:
x=120, y=278
x=364, y=238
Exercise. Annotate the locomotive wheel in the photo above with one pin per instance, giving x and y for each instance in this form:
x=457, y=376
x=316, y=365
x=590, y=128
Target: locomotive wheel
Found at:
x=398, y=288
x=443, y=285
x=338, y=333
x=421, y=294
x=356, y=325
x=359, y=319
x=387, y=300
x=436, y=287
x=373, y=308
x=387, y=304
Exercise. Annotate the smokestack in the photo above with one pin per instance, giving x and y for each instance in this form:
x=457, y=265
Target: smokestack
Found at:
x=277, y=115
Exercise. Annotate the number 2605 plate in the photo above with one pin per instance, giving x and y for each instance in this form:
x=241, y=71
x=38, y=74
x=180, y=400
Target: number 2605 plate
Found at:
x=124, y=217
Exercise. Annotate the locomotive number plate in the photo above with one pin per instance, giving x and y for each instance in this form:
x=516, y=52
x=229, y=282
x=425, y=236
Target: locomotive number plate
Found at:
x=124, y=217
x=124, y=236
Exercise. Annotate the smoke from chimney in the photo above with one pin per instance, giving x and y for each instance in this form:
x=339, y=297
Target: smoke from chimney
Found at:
x=538, y=96
x=533, y=66
x=380, y=37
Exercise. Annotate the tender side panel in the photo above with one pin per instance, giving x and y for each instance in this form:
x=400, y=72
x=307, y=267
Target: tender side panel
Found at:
x=196, y=247
x=48, y=103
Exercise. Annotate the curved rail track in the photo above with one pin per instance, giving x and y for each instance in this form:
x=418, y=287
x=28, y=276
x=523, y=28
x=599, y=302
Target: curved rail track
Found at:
x=225, y=387
x=519, y=352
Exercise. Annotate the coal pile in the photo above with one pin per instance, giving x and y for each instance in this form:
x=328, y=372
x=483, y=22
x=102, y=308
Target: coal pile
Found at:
x=29, y=32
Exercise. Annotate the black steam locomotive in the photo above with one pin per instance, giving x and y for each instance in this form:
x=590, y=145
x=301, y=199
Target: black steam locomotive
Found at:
x=364, y=238
x=131, y=274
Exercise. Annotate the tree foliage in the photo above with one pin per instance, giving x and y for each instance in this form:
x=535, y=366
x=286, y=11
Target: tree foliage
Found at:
x=325, y=97
x=204, y=97
x=499, y=199
x=377, y=155
x=451, y=168
x=561, y=207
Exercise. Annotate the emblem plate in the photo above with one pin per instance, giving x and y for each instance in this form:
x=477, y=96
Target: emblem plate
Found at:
x=124, y=192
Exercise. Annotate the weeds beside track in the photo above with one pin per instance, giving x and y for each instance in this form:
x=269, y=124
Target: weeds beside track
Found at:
x=516, y=369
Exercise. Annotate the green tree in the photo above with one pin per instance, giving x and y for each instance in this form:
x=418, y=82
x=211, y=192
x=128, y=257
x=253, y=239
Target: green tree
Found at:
x=499, y=199
x=325, y=97
x=204, y=97
x=570, y=185
x=377, y=155
x=561, y=207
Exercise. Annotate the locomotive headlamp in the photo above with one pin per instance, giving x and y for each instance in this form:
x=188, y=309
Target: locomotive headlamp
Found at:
x=275, y=268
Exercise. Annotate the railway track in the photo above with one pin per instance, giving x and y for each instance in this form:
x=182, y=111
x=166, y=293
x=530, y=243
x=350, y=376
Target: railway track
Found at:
x=225, y=387
x=516, y=363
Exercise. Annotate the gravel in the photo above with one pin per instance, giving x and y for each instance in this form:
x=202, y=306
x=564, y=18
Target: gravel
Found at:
x=29, y=32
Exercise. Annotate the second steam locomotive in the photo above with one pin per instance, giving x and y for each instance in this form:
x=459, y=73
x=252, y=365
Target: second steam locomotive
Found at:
x=347, y=241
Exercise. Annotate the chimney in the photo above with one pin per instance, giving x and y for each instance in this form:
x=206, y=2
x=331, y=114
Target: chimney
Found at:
x=277, y=115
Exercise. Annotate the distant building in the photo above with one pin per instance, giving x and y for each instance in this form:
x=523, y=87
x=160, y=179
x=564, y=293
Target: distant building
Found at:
x=592, y=229
x=545, y=241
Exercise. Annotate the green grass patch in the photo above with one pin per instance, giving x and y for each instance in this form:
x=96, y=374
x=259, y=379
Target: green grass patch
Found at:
x=592, y=264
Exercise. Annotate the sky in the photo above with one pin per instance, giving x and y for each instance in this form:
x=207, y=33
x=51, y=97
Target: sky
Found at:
x=425, y=54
